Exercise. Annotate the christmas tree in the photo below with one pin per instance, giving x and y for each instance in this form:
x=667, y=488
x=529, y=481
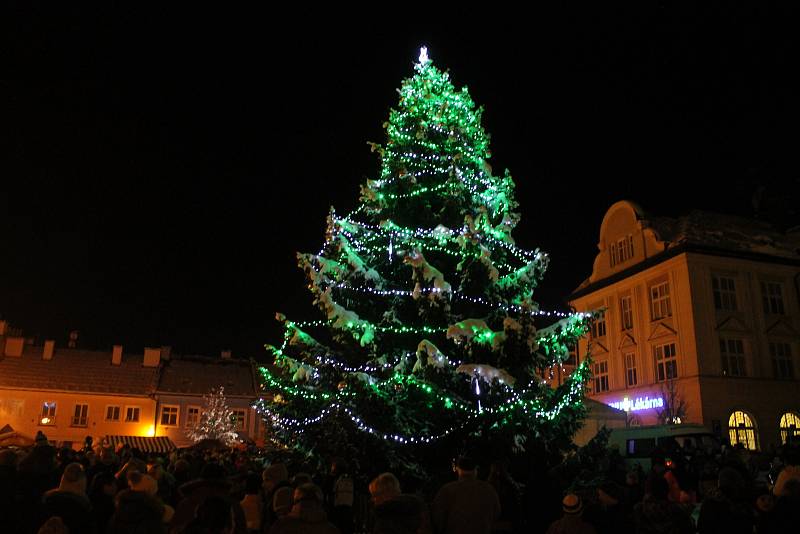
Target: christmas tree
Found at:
x=217, y=420
x=427, y=343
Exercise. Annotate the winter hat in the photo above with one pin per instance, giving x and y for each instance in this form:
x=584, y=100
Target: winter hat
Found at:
x=276, y=473
x=572, y=504
x=144, y=483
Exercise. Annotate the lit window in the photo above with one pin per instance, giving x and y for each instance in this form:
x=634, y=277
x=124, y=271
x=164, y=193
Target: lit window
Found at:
x=724, y=293
x=732, y=351
x=132, y=414
x=48, y=413
x=630, y=369
x=239, y=419
x=599, y=326
x=81, y=415
x=112, y=413
x=660, y=305
x=192, y=416
x=742, y=430
x=621, y=250
x=666, y=362
x=626, y=312
x=600, y=372
x=772, y=297
x=781, y=354
x=169, y=415
x=790, y=428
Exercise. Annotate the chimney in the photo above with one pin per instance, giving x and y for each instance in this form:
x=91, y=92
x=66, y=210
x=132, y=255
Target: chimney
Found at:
x=73, y=340
x=226, y=354
x=14, y=346
x=3, y=326
x=49, y=347
x=116, y=355
x=152, y=357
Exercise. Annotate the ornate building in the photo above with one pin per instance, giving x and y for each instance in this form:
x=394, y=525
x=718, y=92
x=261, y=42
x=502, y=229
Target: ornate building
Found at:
x=701, y=323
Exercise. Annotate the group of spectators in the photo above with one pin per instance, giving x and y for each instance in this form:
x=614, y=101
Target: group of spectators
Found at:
x=101, y=490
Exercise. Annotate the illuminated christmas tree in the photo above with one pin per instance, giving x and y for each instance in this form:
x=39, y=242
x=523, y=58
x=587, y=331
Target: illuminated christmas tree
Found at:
x=216, y=421
x=427, y=344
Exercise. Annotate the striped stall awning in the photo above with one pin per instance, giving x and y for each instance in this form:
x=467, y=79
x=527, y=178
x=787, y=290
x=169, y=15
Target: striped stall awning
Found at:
x=143, y=443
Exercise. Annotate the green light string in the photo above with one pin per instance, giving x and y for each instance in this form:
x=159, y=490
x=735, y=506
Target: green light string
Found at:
x=530, y=407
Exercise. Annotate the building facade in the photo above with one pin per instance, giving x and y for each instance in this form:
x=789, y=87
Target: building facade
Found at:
x=70, y=394
x=183, y=383
x=701, y=323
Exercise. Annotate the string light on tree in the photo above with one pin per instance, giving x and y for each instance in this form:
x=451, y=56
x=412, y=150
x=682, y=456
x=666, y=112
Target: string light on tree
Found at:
x=427, y=332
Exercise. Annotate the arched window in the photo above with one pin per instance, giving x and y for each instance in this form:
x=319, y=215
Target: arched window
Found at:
x=741, y=429
x=790, y=428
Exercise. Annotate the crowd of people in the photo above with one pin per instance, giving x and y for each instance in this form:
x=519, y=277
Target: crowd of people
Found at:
x=101, y=490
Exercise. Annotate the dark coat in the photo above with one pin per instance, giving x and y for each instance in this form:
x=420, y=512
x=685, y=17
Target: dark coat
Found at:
x=719, y=514
x=405, y=514
x=195, y=493
x=137, y=512
x=306, y=517
x=468, y=506
x=75, y=510
x=660, y=516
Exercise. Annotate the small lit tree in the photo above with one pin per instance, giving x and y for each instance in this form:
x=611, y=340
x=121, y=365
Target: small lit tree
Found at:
x=217, y=420
x=675, y=406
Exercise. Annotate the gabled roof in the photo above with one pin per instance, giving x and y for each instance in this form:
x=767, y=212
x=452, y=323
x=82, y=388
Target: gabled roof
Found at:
x=77, y=370
x=196, y=375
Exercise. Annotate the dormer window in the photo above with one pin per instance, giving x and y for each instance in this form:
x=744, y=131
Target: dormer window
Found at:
x=621, y=250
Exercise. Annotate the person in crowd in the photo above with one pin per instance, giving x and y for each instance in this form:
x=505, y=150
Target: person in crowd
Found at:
x=307, y=515
x=212, y=483
x=70, y=502
x=571, y=521
x=252, y=503
x=8, y=490
x=54, y=525
x=282, y=501
x=137, y=512
x=339, y=491
x=782, y=518
x=147, y=484
x=102, y=491
x=790, y=471
x=508, y=492
x=395, y=512
x=467, y=505
x=727, y=510
x=656, y=514
x=213, y=516
x=274, y=477
x=608, y=513
x=164, y=479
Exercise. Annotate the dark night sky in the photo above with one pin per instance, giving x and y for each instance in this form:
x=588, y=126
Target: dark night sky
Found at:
x=154, y=190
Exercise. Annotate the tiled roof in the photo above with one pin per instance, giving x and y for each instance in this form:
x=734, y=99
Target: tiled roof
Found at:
x=77, y=370
x=198, y=375
x=725, y=232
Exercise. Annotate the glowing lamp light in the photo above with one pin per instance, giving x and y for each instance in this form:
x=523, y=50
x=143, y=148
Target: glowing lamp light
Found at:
x=150, y=431
x=45, y=420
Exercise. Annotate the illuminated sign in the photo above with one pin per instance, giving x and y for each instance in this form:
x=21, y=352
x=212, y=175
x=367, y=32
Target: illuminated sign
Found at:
x=638, y=404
